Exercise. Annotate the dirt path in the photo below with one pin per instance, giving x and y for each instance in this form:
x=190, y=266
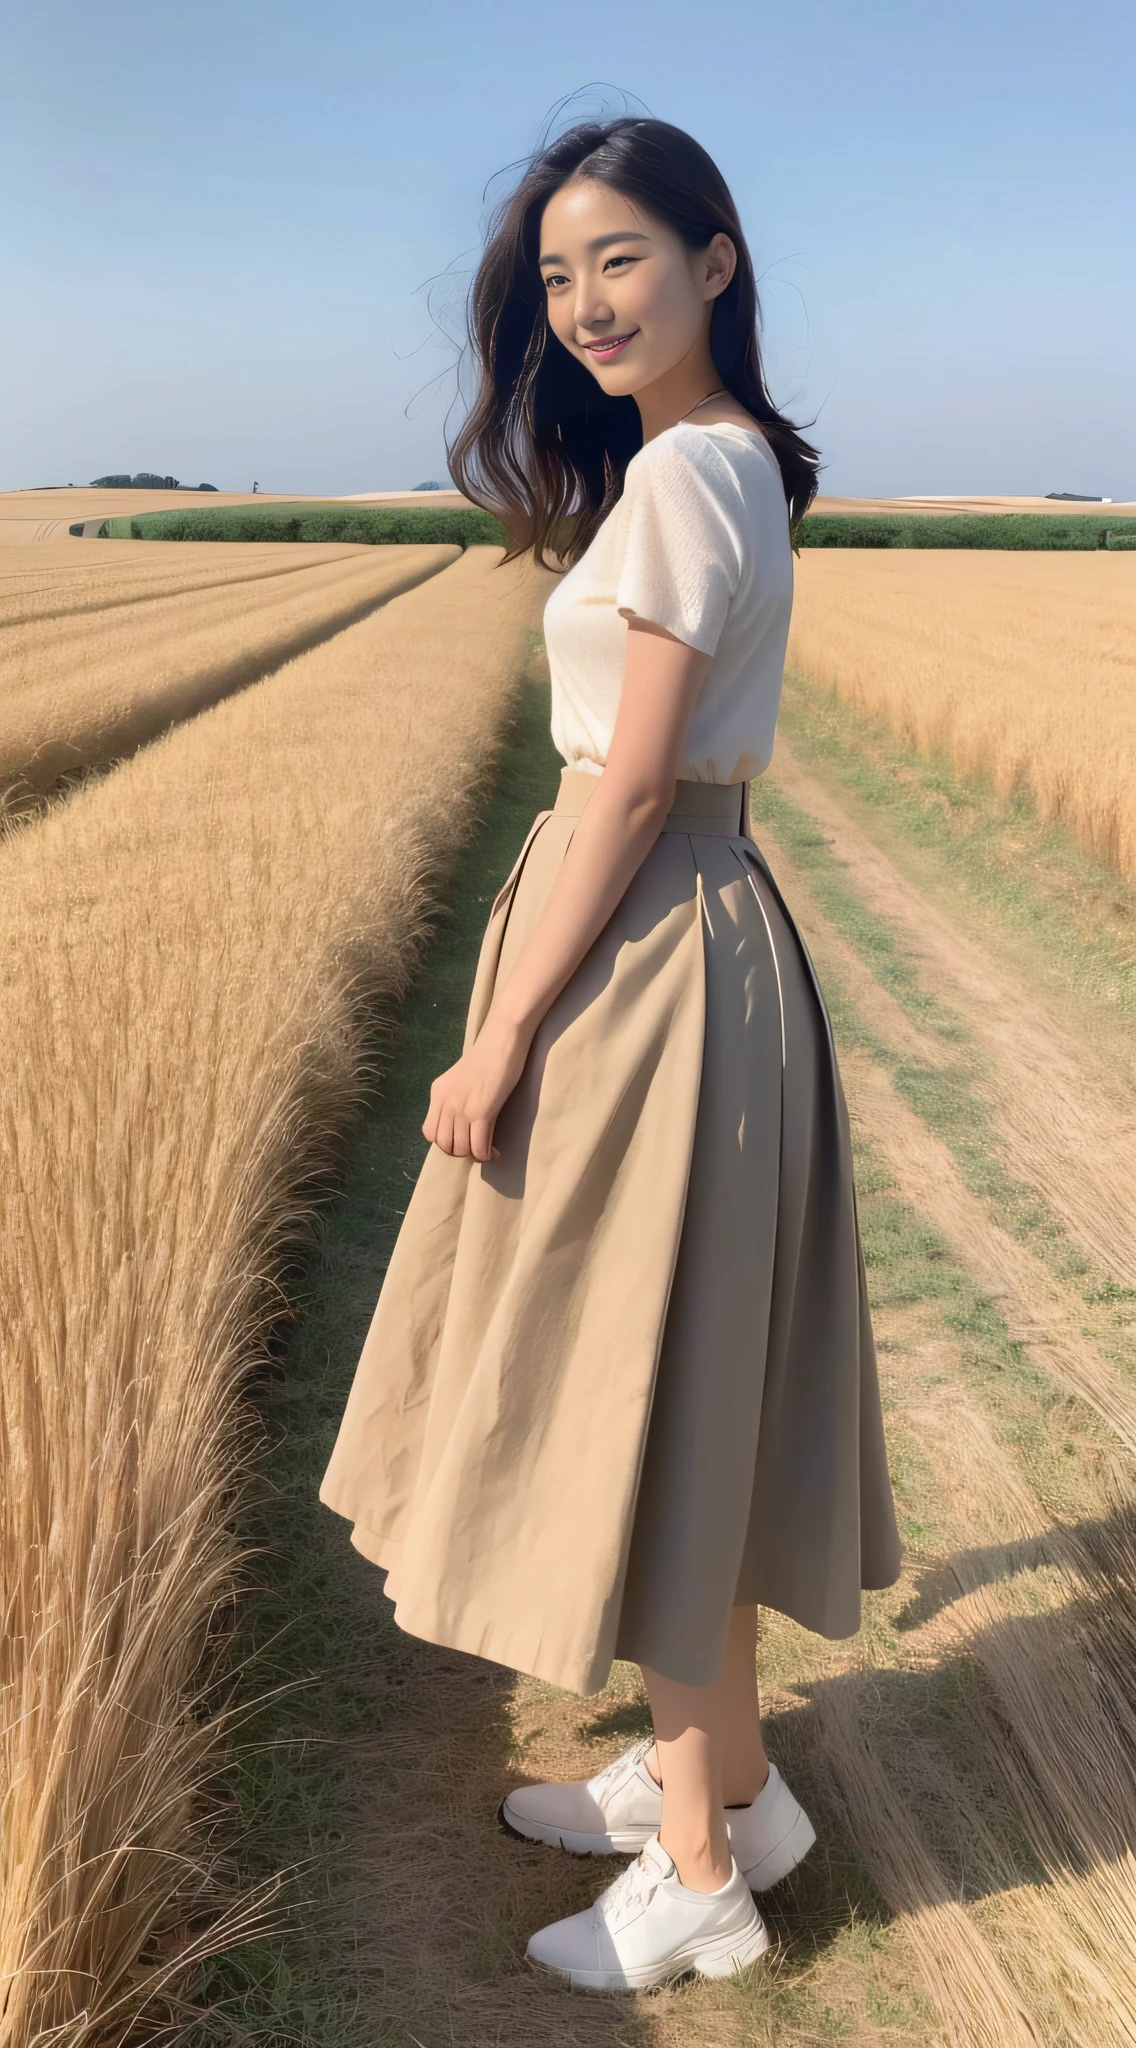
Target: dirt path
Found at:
x=1068, y=1121
x=1028, y=1601
x=1039, y=1310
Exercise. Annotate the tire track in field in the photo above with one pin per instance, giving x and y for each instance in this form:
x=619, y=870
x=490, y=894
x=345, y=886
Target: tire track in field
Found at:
x=1036, y=1309
x=1039, y=1310
x=1066, y=1118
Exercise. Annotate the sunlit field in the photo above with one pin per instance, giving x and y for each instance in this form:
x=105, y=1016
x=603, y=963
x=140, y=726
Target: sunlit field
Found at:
x=104, y=647
x=193, y=953
x=1017, y=667
x=259, y=798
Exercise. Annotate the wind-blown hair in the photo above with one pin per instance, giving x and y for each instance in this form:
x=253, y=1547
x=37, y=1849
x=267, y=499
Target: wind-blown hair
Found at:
x=542, y=445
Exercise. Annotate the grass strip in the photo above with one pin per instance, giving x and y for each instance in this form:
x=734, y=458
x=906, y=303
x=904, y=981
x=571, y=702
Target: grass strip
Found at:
x=1016, y=531
x=366, y=525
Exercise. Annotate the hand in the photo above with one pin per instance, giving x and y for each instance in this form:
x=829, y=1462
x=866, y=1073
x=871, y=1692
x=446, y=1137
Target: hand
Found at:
x=467, y=1099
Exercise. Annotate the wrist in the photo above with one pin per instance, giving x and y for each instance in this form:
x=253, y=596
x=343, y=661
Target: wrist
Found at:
x=509, y=1022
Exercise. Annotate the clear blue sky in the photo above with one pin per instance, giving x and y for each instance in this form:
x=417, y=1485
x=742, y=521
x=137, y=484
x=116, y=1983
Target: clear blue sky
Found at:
x=221, y=218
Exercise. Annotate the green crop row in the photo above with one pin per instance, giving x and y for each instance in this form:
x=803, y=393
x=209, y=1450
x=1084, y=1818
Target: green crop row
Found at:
x=373, y=525
x=382, y=524
x=1004, y=530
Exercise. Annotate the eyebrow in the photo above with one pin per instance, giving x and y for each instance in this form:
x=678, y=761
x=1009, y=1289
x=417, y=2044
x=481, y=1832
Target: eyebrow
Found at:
x=600, y=242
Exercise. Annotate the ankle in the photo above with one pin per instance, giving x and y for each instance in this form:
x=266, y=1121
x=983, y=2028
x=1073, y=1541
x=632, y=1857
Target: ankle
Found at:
x=702, y=1865
x=740, y=1790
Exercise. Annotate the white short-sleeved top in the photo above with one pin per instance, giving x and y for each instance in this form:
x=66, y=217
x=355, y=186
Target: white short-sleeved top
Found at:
x=699, y=544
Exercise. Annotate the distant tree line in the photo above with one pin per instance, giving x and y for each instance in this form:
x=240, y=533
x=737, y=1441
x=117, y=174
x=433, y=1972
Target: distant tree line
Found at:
x=144, y=481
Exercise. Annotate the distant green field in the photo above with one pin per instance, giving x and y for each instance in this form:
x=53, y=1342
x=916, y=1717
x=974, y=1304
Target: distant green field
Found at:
x=375, y=525
x=1017, y=531
x=383, y=525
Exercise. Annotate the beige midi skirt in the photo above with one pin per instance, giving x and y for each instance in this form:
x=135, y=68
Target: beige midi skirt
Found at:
x=622, y=1378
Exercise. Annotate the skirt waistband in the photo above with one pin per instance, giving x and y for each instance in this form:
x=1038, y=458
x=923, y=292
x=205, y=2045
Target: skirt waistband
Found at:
x=714, y=808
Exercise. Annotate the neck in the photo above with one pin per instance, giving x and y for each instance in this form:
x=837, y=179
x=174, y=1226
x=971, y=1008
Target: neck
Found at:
x=663, y=403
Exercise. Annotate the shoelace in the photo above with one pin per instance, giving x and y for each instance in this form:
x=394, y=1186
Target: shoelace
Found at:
x=626, y=1897
x=620, y=1769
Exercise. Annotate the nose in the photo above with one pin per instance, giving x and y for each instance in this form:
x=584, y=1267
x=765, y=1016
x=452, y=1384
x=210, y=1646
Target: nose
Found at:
x=592, y=310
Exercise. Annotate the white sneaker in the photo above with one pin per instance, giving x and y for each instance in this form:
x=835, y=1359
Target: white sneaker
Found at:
x=647, y=1929
x=769, y=1837
x=615, y=1813
x=619, y=1810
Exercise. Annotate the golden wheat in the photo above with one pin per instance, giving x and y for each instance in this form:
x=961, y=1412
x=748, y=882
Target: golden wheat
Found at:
x=1017, y=666
x=874, y=506
x=975, y=2000
x=102, y=650
x=1050, y=1614
x=189, y=951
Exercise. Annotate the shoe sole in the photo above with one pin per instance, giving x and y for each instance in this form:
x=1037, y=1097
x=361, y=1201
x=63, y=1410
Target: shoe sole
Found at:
x=790, y=1850
x=623, y=1842
x=721, y=1958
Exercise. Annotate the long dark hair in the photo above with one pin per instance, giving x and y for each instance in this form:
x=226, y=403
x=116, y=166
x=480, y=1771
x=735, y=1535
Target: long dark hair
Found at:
x=542, y=445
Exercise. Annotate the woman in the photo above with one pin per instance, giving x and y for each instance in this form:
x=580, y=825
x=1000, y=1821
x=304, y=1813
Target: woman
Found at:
x=620, y=1384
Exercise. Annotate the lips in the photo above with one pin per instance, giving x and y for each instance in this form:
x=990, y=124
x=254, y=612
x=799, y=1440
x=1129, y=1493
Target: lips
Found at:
x=611, y=346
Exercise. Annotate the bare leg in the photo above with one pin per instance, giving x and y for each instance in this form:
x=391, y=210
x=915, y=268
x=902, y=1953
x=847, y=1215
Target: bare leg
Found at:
x=689, y=1751
x=708, y=1755
x=745, y=1766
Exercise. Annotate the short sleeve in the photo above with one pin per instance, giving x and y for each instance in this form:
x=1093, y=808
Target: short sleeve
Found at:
x=682, y=561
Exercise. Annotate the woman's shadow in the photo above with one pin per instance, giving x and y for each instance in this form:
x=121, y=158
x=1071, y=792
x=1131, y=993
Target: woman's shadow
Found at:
x=938, y=1751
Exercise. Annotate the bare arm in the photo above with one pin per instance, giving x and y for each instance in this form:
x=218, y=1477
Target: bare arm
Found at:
x=623, y=819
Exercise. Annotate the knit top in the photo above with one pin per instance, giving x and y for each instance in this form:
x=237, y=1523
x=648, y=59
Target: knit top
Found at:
x=698, y=543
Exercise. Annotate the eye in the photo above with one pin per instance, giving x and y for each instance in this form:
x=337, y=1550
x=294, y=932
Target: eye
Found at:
x=618, y=259
x=554, y=277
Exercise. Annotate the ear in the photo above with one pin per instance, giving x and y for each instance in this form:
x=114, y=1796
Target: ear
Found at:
x=720, y=263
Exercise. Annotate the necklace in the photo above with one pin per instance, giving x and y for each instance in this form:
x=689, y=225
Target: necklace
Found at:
x=720, y=393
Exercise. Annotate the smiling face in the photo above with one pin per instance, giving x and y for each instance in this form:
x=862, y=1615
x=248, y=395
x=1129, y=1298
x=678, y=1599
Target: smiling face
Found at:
x=625, y=295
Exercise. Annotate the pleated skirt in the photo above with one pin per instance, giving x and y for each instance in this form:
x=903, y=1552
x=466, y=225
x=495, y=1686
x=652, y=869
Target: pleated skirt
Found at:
x=622, y=1378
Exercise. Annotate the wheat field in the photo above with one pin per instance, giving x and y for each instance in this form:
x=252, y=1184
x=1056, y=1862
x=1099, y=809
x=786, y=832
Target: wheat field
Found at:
x=1017, y=667
x=106, y=644
x=190, y=952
